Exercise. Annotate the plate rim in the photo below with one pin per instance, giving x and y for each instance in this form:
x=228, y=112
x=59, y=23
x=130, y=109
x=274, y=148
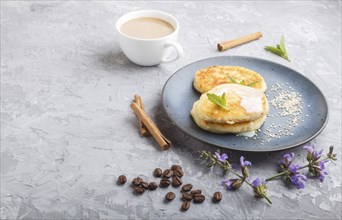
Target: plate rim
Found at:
x=246, y=150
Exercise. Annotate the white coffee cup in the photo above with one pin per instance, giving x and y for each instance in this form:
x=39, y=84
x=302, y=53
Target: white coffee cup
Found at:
x=149, y=52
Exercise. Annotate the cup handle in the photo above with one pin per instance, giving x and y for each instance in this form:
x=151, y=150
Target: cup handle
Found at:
x=177, y=47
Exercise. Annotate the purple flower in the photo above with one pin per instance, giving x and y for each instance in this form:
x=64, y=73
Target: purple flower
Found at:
x=295, y=177
x=318, y=154
x=244, y=163
x=260, y=188
x=256, y=182
x=296, y=180
x=294, y=169
x=287, y=160
x=319, y=170
x=222, y=157
x=232, y=184
x=316, y=167
x=312, y=154
x=310, y=148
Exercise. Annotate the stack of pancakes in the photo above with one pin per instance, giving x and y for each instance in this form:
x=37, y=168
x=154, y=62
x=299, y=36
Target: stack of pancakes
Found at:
x=246, y=102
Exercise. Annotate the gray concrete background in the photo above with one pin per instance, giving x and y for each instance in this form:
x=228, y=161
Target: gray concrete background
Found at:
x=67, y=131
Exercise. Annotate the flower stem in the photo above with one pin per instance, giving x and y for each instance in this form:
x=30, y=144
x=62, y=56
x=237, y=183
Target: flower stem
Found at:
x=228, y=168
x=268, y=200
x=302, y=167
x=235, y=173
x=275, y=176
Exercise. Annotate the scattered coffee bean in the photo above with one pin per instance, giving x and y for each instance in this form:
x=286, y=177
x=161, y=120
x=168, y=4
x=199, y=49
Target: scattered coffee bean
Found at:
x=144, y=185
x=122, y=179
x=167, y=173
x=164, y=183
x=157, y=172
x=176, y=181
x=170, y=196
x=186, y=196
x=178, y=173
x=176, y=167
x=136, y=181
x=152, y=186
x=139, y=189
x=185, y=206
x=196, y=191
x=187, y=187
x=217, y=197
x=199, y=198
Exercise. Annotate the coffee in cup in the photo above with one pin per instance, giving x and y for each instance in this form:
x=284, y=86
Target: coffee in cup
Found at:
x=147, y=28
x=146, y=36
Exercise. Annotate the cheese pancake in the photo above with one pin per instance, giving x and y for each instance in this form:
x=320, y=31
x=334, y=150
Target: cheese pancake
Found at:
x=244, y=104
x=229, y=128
x=208, y=78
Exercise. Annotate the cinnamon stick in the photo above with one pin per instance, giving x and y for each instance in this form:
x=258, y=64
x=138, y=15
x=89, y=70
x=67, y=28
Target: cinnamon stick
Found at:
x=143, y=130
x=163, y=142
x=236, y=42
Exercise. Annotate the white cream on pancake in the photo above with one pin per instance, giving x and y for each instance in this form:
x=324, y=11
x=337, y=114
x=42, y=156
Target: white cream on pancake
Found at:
x=251, y=99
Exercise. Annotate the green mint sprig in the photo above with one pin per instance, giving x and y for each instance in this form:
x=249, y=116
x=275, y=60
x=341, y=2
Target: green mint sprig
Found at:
x=232, y=80
x=279, y=50
x=218, y=100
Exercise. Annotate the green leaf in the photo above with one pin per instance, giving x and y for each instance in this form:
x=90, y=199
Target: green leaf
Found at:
x=253, y=83
x=231, y=79
x=274, y=50
x=218, y=100
x=282, y=45
x=242, y=82
x=279, y=50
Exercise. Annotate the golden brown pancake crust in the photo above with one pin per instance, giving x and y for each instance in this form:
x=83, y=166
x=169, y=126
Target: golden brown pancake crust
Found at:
x=208, y=78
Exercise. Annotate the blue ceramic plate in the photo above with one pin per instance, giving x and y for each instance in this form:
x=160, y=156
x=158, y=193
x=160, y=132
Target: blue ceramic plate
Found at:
x=275, y=134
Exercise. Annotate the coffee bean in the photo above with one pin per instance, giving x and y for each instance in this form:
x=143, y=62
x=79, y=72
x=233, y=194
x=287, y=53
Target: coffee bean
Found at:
x=187, y=187
x=186, y=196
x=176, y=167
x=157, y=172
x=136, y=181
x=185, y=206
x=199, y=198
x=178, y=173
x=139, y=189
x=176, y=181
x=167, y=173
x=144, y=185
x=170, y=196
x=164, y=183
x=196, y=191
x=217, y=197
x=152, y=186
x=122, y=179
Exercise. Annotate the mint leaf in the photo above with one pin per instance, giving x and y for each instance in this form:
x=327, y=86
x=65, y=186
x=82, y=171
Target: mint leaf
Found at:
x=279, y=50
x=231, y=79
x=282, y=45
x=274, y=50
x=253, y=83
x=242, y=82
x=218, y=100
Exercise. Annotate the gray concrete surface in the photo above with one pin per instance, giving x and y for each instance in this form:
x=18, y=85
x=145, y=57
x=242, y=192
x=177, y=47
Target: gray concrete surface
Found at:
x=67, y=131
